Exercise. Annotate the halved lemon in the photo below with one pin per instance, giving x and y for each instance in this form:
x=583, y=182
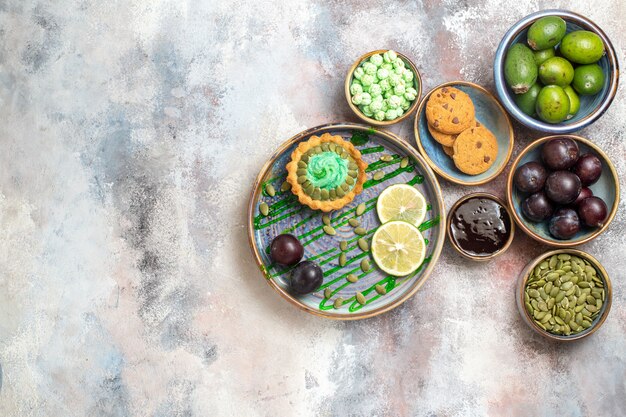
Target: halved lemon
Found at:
x=398, y=248
x=401, y=202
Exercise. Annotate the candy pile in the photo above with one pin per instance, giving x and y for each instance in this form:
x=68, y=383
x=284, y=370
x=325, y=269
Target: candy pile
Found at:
x=383, y=86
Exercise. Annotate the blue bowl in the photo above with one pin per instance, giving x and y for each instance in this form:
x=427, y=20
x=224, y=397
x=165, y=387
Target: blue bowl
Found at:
x=489, y=112
x=591, y=107
x=607, y=188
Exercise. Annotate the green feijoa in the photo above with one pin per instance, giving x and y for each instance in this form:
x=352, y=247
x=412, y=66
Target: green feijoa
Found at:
x=338, y=302
x=380, y=289
x=552, y=104
x=533, y=293
x=328, y=292
x=264, y=209
x=352, y=278
x=363, y=244
x=360, y=231
x=360, y=298
x=343, y=245
x=520, y=69
x=528, y=100
x=543, y=55
x=354, y=222
x=360, y=209
x=365, y=265
x=404, y=162
x=588, y=79
x=556, y=71
x=546, y=32
x=285, y=186
x=582, y=47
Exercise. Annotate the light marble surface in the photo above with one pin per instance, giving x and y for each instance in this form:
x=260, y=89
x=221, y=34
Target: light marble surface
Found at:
x=131, y=132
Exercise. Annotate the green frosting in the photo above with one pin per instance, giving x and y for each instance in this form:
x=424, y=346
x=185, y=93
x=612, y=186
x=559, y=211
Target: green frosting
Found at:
x=327, y=170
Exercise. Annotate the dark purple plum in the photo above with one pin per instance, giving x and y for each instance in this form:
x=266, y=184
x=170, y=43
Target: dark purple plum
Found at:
x=530, y=177
x=562, y=187
x=588, y=168
x=564, y=224
x=537, y=207
x=585, y=192
x=286, y=249
x=560, y=153
x=306, y=277
x=593, y=211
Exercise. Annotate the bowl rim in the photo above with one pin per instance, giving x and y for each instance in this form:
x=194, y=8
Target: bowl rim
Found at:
x=428, y=175
x=521, y=222
x=521, y=284
x=479, y=194
x=432, y=163
x=370, y=120
x=509, y=104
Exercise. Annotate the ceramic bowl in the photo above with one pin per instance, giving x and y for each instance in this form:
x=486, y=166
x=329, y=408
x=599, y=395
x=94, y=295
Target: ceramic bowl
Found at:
x=489, y=112
x=591, y=107
x=604, y=310
x=461, y=250
x=607, y=188
x=417, y=84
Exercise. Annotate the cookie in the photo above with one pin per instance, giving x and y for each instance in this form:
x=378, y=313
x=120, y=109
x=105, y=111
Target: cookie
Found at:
x=475, y=150
x=448, y=150
x=442, y=138
x=450, y=110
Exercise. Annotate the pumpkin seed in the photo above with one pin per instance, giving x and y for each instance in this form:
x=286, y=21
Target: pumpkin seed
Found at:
x=552, y=262
x=343, y=259
x=360, y=298
x=354, y=222
x=349, y=181
x=326, y=219
x=380, y=289
x=360, y=209
x=269, y=189
x=404, y=162
x=309, y=189
x=325, y=195
x=363, y=244
x=328, y=293
x=338, y=302
x=329, y=230
x=360, y=231
x=352, y=278
x=343, y=245
x=543, y=306
x=264, y=209
x=365, y=265
x=340, y=192
x=533, y=293
x=378, y=175
x=386, y=158
x=529, y=308
x=317, y=194
x=285, y=186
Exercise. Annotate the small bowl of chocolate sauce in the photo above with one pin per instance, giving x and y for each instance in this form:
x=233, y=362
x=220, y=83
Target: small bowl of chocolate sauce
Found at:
x=480, y=226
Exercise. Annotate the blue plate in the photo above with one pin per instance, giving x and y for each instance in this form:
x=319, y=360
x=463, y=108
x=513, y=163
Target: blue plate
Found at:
x=489, y=112
x=607, y=188
x=287, y=215
x=591, y=107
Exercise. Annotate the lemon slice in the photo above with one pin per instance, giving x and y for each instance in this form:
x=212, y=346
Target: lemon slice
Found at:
x=398, y=248
x=401, y=202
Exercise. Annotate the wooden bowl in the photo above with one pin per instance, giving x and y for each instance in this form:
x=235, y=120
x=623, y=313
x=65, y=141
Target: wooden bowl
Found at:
x=607, y=188
x=489, y=112
x=595, y=325
x=417, y=81
x=454, y=243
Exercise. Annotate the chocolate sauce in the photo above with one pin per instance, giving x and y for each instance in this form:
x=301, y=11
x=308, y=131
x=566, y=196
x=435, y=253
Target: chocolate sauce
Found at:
x=480, y=226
